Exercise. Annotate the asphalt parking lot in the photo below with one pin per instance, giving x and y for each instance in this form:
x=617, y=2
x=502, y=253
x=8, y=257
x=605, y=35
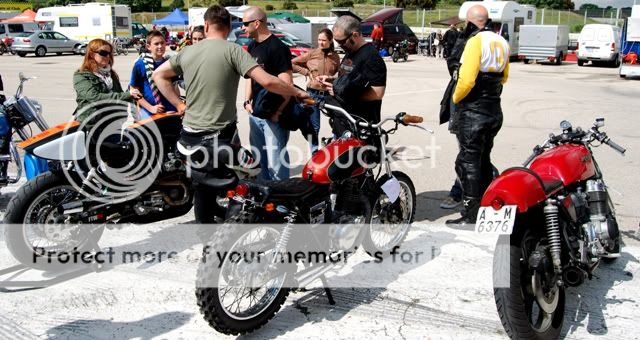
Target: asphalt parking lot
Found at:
x=449, y=296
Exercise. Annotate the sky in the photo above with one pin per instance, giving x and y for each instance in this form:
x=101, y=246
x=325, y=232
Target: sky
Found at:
x=605, y=3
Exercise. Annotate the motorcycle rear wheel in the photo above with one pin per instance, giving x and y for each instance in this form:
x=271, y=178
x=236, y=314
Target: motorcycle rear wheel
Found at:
x=33, y=218
x=525, y=314
x=217, y=280
x=390, y=222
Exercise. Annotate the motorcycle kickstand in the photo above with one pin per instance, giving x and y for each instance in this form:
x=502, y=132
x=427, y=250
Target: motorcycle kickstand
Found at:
x=327, y=290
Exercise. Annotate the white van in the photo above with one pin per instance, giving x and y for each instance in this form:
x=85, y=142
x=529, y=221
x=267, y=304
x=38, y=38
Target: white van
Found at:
x=599, y=43
x=13, y=29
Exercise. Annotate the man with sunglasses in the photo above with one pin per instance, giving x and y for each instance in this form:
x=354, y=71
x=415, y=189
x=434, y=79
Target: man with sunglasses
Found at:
x=362, y=77
x=212, y=69
x=266, y=134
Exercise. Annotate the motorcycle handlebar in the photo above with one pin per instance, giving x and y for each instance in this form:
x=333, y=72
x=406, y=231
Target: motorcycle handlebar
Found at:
x=615, y=146
x=409, y=119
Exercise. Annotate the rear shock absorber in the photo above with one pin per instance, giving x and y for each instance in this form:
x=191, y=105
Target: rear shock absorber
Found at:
x=281, y=246
x=553, y=233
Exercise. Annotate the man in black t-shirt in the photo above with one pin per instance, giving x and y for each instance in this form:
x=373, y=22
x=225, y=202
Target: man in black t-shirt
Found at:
x=266, y=135
x=362, y=78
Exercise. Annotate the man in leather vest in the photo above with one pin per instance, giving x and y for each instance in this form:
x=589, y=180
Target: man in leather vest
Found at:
x=478, y=116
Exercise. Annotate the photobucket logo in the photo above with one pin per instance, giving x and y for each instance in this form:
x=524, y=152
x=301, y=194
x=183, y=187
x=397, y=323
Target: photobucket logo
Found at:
x=113, y=158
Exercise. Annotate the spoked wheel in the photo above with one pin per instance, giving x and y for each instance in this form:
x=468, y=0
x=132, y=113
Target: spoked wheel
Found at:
x=390, y=221
x=38, y=234
x=529, y=301
x=241, y=292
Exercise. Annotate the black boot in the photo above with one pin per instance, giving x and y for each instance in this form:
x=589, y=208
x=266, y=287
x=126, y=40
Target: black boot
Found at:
x=469, y=214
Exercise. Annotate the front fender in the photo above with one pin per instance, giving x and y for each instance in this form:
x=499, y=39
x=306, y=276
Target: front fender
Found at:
x=515, y=186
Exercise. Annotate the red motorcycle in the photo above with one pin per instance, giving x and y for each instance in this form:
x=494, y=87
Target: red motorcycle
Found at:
x=335, y=207
x=557, y=223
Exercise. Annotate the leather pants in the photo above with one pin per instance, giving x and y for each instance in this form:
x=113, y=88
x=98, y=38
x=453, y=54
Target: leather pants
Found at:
x=477, y=126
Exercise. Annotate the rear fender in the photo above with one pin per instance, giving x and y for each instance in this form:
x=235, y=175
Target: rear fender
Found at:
x=515, y=186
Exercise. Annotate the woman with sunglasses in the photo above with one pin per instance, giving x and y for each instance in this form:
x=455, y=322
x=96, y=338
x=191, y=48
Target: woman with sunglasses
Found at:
x=97, y=85
x=320, y=61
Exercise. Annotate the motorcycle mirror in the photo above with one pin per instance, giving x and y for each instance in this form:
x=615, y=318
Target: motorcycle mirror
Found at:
x=599, y=122
x=565, y=125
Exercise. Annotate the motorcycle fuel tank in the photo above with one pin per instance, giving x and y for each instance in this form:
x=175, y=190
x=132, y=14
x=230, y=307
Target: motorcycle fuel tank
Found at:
x=341, y=159
x=568, y=163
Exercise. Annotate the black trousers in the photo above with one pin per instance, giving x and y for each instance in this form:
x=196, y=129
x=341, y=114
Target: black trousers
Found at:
x=205, y=203
x=476, y=132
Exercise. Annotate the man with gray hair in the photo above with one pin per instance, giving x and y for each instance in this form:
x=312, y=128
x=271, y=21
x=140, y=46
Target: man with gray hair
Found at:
x=362, y=77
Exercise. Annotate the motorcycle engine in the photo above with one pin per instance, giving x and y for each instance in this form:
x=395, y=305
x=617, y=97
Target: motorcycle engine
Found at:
x=601, y=229
x=344, y=232
x=349, y=214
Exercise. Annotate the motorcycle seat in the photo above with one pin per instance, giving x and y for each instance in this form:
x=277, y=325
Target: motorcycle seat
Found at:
x=218, y=180
x=549, y=185
x=291, y=188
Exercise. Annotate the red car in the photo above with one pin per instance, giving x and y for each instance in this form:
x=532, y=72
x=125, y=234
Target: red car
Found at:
x=296, y=49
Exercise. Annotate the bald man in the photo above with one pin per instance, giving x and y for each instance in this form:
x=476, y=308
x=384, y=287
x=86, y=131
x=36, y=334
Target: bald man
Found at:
x=484, y=68
x=266, y=134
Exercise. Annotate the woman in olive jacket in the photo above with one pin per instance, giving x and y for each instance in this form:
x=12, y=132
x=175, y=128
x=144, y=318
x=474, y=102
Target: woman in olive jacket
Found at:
x=97, y=85
x=320, y=61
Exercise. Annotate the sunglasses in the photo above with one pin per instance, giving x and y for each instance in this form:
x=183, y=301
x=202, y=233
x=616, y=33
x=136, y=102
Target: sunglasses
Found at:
x=104, y=53
x=247, y=23
x=343, y=41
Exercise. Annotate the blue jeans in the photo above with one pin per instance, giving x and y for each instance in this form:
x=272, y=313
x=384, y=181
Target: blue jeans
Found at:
x=270, y=140
x=314, y=119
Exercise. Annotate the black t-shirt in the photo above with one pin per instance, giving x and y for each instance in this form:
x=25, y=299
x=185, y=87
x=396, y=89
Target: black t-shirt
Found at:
x=358, y=71
x=272, y=55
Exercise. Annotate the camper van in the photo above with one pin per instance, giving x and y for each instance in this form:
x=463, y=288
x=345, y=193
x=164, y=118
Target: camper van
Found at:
x=506, y=18
x=85, y=22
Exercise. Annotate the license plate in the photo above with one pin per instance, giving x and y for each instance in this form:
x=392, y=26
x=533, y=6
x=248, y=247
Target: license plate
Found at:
x=497, y=222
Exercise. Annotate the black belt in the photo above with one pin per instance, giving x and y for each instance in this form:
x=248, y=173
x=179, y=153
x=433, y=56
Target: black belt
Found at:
x=225, y=132
x=320, y=92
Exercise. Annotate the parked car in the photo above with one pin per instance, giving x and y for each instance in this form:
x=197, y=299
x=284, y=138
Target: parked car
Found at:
x=43, y=42
x=138, y=30
x=296, y=50
x=394, y=30
x=599, y=43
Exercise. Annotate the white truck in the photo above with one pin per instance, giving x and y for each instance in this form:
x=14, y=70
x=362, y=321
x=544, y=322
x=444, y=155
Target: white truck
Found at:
x=543, y=43
x=630, y=45
x=85, y=22
x=506, y=18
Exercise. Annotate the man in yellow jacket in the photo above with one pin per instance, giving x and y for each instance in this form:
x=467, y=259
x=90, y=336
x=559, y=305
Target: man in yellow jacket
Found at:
x=478, y=115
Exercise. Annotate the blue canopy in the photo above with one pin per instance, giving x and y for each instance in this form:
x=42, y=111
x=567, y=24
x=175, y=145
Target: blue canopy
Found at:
x=175, y=18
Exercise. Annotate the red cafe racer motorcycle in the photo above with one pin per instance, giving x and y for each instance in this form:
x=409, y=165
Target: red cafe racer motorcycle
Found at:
x=558, y=222
x=333, y=208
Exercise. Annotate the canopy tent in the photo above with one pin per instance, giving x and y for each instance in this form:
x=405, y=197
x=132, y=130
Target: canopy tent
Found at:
x=291, y=17
x=26, y=16
x=175, y=18
x=454, y=20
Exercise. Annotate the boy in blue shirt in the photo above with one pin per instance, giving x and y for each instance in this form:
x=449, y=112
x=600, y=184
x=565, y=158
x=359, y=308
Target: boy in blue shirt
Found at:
x=152, y=100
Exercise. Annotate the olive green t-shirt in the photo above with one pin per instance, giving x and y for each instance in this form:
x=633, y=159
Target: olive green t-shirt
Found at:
x=211, y=70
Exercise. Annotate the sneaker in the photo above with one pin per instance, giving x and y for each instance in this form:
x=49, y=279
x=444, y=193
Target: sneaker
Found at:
x=450, y=203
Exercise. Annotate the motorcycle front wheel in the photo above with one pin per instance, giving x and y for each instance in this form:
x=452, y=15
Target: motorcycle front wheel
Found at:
x=238, y=293
x=390, y=221
x=529, y=302
x=38, y=235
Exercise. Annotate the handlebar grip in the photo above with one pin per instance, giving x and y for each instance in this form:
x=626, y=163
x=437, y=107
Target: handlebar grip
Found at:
x=615, y=146
x=409, y=119
x=308, y=102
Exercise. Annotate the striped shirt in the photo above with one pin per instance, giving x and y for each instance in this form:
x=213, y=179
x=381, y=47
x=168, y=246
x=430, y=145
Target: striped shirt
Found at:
x=486, y=52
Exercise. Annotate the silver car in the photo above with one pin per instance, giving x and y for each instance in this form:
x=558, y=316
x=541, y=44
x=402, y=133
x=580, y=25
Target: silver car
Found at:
x=43, y=42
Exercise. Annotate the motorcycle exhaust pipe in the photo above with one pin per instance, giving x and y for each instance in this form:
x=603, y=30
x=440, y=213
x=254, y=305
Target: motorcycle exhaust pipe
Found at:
x=573, y=276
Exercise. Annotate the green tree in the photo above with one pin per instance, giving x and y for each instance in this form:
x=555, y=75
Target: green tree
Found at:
x=226, y=3
x=426, y=4
x=588, y=7
x=553, y=4
x=289, y=5
x=177, y=4
x=343, y=3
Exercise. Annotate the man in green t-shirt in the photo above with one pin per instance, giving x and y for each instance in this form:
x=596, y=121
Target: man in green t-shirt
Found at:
x=211, y=71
